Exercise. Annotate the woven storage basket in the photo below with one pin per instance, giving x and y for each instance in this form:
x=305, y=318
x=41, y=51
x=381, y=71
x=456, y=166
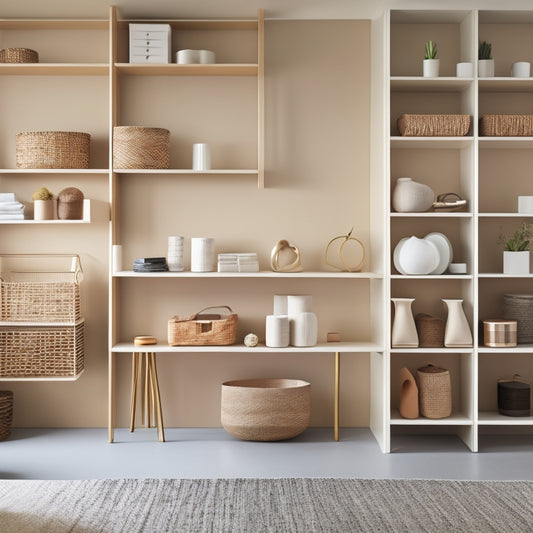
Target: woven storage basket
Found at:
x=42, y=351
x=18, y=55
x=6, y=413
x=410, y=125
x=430, y=331
x=519, y=307
x=213, y=330
x=265, y=409
x=53, y=149
x=435, y=392
x=506, y=125
x=70, y=204
x=136, y=147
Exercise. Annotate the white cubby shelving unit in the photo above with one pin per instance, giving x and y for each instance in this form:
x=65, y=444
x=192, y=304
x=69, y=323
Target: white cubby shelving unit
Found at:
x=489, y=172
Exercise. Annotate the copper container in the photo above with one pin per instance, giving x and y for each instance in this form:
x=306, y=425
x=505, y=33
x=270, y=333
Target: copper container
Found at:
x=499, y=333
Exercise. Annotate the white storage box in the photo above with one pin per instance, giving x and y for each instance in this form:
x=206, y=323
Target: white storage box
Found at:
x=150, y=43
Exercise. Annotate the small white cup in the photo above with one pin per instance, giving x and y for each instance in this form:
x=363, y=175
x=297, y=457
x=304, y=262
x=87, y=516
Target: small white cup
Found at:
x=521, y=69
x=201, y=156
x=187, y=57
x=525, y=204
x=464, y=70
x=206, y=57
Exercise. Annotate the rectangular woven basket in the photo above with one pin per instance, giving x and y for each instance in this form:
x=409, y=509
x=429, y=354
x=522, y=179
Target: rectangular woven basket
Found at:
x=39, y=351
x=18, y=55
x=52, y=149
x=195, y=331
x=506, y=125
x=413, y=125
x=136, y=147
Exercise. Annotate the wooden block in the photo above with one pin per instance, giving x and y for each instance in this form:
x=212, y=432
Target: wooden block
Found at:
x=334, y=337
x=143, y=340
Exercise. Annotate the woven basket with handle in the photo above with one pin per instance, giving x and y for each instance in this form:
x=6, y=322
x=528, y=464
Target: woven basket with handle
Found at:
x=203, y=330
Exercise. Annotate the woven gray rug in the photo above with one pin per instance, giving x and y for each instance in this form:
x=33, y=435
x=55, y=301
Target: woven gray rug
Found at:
x=264, y=505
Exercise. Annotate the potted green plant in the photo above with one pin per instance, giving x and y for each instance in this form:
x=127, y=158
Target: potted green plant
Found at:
x=44, y=205
x=431, y=63
x=516, y=252
x=485, y=61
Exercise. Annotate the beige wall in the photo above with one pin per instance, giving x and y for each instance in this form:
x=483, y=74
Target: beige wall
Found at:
x=317, y=186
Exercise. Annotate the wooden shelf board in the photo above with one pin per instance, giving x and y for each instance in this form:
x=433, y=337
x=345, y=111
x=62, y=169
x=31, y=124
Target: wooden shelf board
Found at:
x=54, y=69
x=44, y=378
x=54, y=171
x=186, y=171
x=172, y=69
x=330, y=347
x=456, y=419
x=85, y=220
x=196, y=24
x=433, y=214
x=54, y=24
x=261, y=274
x=421, y=84
x=493, y=418
x=430, y=142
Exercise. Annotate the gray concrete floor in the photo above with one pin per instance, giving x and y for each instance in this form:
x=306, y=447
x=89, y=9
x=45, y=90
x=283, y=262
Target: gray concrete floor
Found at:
x=212, y=453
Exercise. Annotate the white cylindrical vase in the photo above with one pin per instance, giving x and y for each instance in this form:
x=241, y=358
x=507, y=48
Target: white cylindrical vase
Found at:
x=175, y=253
x=304, y=329
x=277, y=331
x=202, y=254
x=299, y=304
x=280, y=304
x=404, y=334
x=117, y=258
x=201, y=156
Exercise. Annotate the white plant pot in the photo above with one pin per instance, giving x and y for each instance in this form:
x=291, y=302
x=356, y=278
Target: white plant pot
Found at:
x=45, y=209
x=516, y=262
x=485, y=68
x=464, y=70
x=521, y=69
x=431, y=68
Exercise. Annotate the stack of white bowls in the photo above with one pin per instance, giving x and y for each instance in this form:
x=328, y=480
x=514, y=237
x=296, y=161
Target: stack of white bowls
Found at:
x=175, y=253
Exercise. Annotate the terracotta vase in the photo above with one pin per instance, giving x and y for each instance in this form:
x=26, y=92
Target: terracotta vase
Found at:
x=457, y=333
x=404, y=334
x=408, y=394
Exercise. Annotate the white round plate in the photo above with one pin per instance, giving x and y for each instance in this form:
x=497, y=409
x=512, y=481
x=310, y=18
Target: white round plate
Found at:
x=445, y=250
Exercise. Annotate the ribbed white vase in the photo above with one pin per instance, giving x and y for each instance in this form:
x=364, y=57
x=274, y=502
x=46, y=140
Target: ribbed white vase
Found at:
x=202, y=254
x=304, y=329
x=277, y=331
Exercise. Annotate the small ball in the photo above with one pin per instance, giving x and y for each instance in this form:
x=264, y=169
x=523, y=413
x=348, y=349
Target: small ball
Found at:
x=251, y=340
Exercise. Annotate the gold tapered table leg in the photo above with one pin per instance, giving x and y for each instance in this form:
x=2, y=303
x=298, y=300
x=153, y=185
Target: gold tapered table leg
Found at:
x=134, y=375
x=158, y=411
x=337, y=396
x=147, y=392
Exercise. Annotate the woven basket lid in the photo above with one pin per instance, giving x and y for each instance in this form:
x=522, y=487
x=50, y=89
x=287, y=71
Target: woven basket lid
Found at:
x=431, y=369
x=70, y=194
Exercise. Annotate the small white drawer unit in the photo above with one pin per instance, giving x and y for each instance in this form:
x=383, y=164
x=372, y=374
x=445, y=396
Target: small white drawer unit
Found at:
x=150, y=43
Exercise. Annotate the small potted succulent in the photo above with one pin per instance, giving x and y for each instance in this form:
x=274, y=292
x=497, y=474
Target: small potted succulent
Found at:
x=44, y=205
x=431, y=63
x=485, y=61
x=516, y=252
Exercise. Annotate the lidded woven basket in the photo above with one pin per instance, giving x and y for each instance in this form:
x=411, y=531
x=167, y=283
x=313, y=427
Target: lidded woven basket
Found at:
x=70, y=204
x=18, y=55
x=265, y=409
x=138, y=147
x=430, y=331
x=52, y=149
x=435, y=392
x=6, y=413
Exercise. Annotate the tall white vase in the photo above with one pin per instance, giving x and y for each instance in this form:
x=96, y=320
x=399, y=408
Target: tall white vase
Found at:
x=457, y=333
x=304, y=329
x=404, y=334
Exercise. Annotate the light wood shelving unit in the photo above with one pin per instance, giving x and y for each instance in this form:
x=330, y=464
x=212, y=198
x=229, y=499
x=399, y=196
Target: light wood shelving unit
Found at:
x=471, y=166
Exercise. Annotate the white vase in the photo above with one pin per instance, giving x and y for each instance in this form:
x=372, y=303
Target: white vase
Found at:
x=404, y=334
x=521, y=69
x=418, y=257
x=202, y=254
x=277, y=331
x=45, y=210
x=280, y=304
x=411, y=196
x=516, y=263
x=485, y=68
x=299, y=304
x=457, y=333
x=431, y=68
x=304, y=329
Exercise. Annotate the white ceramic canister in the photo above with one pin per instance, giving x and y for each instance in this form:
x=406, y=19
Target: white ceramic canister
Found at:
x=201, y=156
x=299, y=304
x=175, y=253
x=304, y=329
x=206, y=57
x=187, y=57
x=202, y=254
x=464, y=70
x=277, y=331
x=280, y=304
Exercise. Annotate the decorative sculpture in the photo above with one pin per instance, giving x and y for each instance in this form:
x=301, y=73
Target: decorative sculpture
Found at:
x=282, y=246
x=345, y=267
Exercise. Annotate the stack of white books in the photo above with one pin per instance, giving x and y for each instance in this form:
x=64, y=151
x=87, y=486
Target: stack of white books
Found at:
x=10, y=209
x=245, y=262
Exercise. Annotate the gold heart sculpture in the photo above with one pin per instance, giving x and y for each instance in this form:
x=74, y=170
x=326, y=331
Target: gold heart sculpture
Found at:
x=295, y=266
x=345, y=267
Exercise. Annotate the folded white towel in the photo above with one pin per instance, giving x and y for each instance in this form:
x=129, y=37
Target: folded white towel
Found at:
x=10, y=207
x=7, y=196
